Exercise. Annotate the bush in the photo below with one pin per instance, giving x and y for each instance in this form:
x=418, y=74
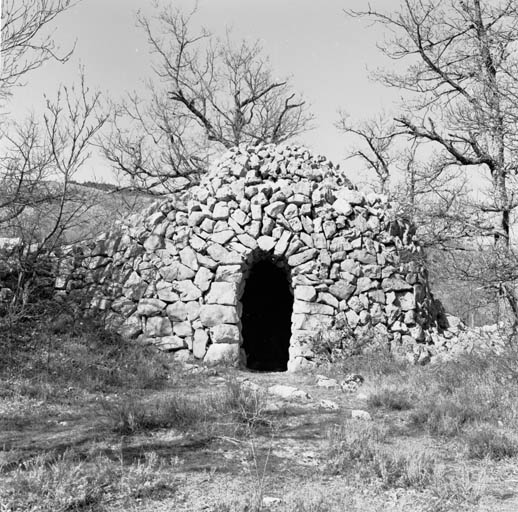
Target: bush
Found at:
x=246, y=405
x=362, y=448
x=444, y=415
x=488, y=442
x=236, y=406
x=390, y=398
x=131, y=416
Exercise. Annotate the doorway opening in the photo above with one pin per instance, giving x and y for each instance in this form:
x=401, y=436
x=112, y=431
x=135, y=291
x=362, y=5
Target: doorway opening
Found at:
x=266, y=317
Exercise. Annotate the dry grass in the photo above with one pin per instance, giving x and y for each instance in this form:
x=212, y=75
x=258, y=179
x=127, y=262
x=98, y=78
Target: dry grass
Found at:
x=236, y=409
x=71, y=483
x=435, y=428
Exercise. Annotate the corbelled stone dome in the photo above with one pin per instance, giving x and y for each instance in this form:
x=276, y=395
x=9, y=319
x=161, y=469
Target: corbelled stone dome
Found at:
x=273, y=260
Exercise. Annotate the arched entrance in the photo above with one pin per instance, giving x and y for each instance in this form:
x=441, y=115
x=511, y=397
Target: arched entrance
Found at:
x=266, y=318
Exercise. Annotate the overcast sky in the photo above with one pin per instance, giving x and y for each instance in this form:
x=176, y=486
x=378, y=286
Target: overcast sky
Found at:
x=326, y=53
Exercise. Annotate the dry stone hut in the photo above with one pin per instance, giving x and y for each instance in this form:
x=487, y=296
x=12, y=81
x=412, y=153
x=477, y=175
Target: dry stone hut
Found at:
x=272, y=258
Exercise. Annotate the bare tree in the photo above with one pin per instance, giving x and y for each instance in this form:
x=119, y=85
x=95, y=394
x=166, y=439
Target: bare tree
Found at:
x=25, y=42
x=38, y=200
x=209, y=95
x=462, y=82
x=375, y=145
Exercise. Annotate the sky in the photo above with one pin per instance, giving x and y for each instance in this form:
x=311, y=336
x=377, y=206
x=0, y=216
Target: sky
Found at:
x=327, y=54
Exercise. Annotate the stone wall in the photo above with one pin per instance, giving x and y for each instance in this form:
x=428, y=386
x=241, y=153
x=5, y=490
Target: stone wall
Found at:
x=174, y=276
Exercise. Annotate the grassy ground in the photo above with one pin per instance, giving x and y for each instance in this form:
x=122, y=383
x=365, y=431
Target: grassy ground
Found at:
x=88, y=422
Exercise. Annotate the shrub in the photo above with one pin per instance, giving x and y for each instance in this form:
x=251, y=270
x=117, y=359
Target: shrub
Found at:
x=246, y=405
x=444, y=415
x=390, y=398
x=488, y=442
x=362, y=448
x=130, y=416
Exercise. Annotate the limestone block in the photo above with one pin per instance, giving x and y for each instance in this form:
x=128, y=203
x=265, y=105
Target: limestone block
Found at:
x=207, y=225
x=193, y=310
x=395, y=284
x=177, y=311
x=417, y=333
x=298, y=364
x=364, y=284
x=300, y=306
x=306, y=239
x=247, y=240
x=203, y=279
x=377, y=315
x=229, y=273
x=391, y=297
x=353, y=319
x=291, y=211
x=329, y=228
x=307, y=293
x=225, y=333
x=221, y=255
x=158, y=326
x=353, y=197
x=182, y=329
x=207, y=262
x=170, y=343
x=398, y=326
x=131, y=327
x=342, y=290
x=364, y=317
x=377, y=296
x=267, y=226
x=307, y=225
x=221, y=211
x=260, y=199
x=154, y=242
x=150, y=307
x=409, y=317
x=199, y=346
x=187, y=290
x=202, y=194
x=350, y=266
x=176, y=271
x=254, y=228
x=224, y=193
x=311, y=322
x=241, y=217
x=165, y=292
x=189, y=259
x=222, y=293
x=372, y=271
x=294, y=245
x=407, y=301
x=277, y=232
x=266, y=243
x=214, y=314
x=302, y=257
x=256, y=211
x=327, y=298
x=342, y=206
x=319, y=241
x=275, y=208
x=392, y=313
x=124, y=306
x=364, y=257
x=222, y=354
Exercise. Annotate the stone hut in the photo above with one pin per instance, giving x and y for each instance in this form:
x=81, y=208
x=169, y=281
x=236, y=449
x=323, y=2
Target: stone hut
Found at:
x=273, y=259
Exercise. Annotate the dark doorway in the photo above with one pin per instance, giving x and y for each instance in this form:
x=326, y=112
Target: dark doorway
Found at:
x=266, y=318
